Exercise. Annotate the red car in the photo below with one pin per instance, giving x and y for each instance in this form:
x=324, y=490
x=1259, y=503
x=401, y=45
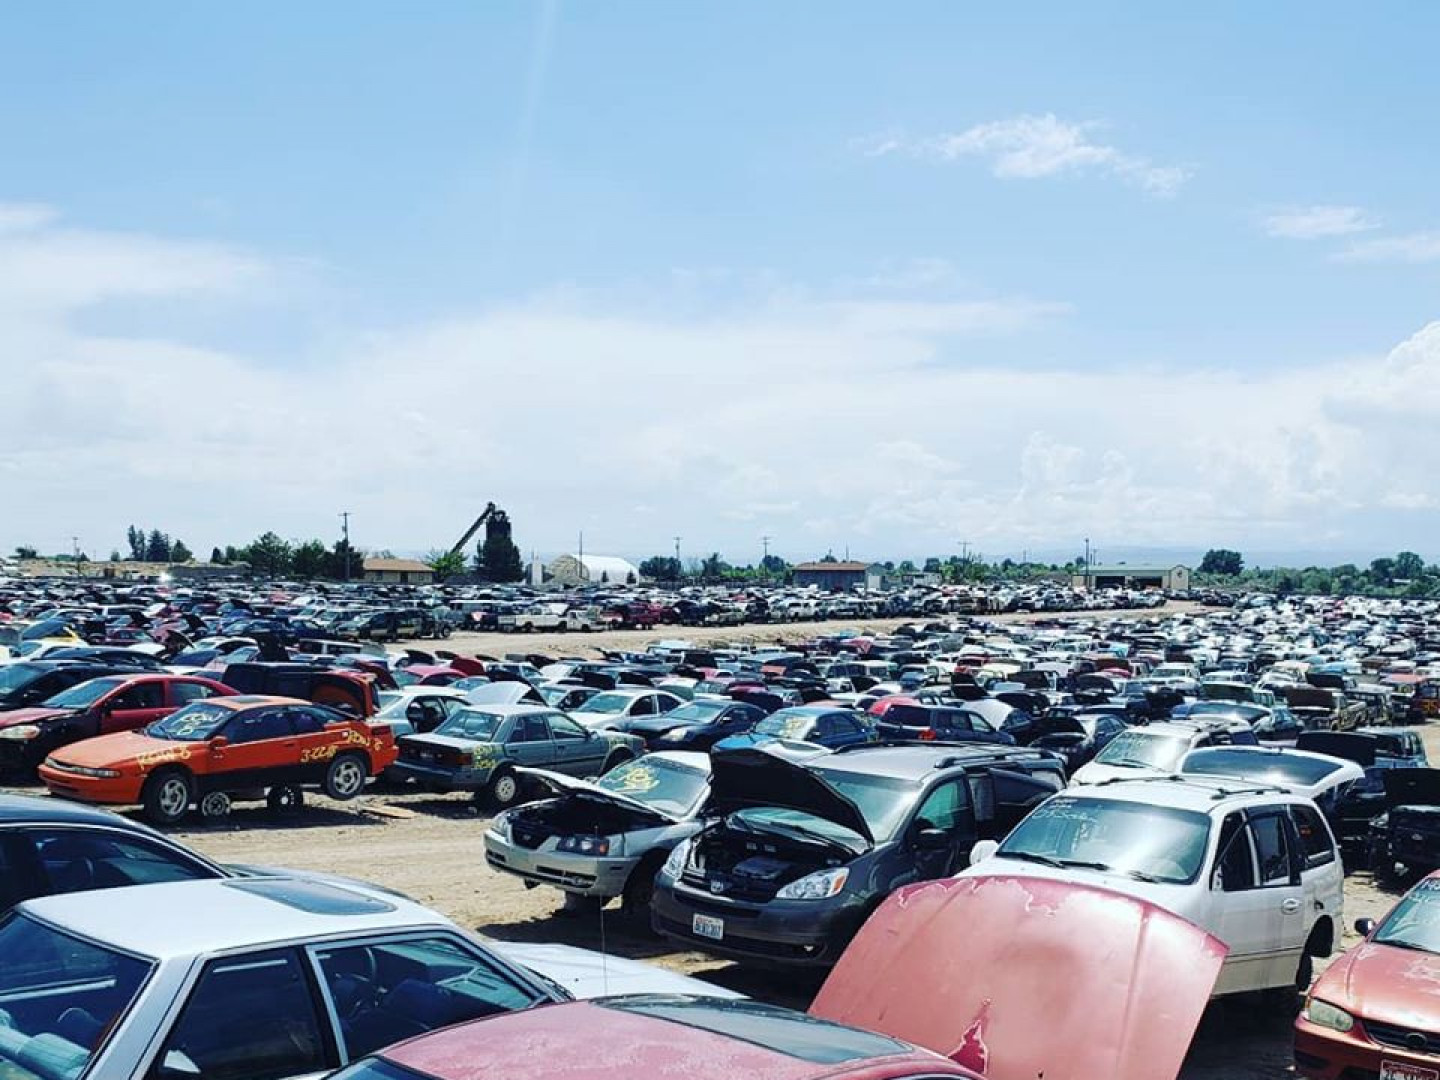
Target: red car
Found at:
x=1376, y=1011
x=1003, y=978
x=96, y=707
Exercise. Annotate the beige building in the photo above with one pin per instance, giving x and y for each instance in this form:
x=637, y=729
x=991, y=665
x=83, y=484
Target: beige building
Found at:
x=397, y=571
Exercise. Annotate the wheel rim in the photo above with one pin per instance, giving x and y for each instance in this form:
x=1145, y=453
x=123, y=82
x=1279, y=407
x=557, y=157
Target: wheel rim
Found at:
x=348, y=777
x=505, y=789
x=174, y=797
x=216, y=804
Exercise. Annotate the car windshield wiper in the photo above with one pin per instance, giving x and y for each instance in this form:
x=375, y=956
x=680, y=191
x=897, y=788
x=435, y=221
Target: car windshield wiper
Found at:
x=1035, y=857
x=1403, y=943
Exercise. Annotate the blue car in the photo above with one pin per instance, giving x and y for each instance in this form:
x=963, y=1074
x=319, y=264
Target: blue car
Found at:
x=821, y=725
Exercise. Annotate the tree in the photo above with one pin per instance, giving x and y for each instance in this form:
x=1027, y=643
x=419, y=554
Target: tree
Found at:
x=1382, y=571
x=309, y=560
x=217, y=556
x=157, y=548
x=630, y=578
x=341, y=563
x=604, y=577
x=446, y=563
x=114, y=554
x=179, y=553
x=498, y=559
x=25, y=551
x=1222, y=561
x=1409, y=566
x=661, y=568
x=932, y=565
x=269, y=556
x=135, y=537
x=714, y=567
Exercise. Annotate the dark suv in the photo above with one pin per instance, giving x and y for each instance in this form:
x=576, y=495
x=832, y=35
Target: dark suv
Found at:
x=30, y=682
x=798, y=855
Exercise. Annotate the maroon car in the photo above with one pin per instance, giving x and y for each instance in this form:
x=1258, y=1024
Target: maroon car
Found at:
x=96, y=707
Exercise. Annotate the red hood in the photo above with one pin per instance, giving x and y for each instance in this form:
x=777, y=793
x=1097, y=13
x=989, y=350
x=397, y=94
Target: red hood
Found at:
x=1021, y=977
x=29, y=716
x=107, y=751
x=1381, y=982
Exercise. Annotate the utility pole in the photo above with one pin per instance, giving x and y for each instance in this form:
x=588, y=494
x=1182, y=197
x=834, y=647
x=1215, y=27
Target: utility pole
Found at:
x=765, y=559
x=1087, y=564
x=679, y=571
x=345, y=530
x=75, y=547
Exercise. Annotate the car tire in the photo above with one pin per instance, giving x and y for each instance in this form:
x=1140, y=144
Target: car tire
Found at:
x=1382, y=864
x=285, y=799
x=346, y=776
x=502, y=792
x=639, y=889
x=214, y=807
x=167, y=796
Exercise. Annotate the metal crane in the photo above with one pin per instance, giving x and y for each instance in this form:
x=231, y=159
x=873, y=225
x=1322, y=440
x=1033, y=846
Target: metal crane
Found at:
x=489, y=512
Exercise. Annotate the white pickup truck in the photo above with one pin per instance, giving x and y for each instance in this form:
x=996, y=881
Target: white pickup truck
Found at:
x=549, y=619
x=1256, y=866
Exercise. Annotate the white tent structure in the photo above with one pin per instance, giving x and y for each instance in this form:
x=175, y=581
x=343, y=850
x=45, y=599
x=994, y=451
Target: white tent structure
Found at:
x=592, y=570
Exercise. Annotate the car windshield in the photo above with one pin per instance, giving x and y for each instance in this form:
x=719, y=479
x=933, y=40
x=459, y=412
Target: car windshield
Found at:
x=607, y=703
x=47, y=978
x=392, y=703
x=1144, y=750
x=194, y=657
x=1415, y=921
x=1261, y=767
x=82, y=695
x=471, y=724
x=881, y=800
x=669, y=786
x=193, y=723
x=14, y=676
x=697, y=712
x=1149, y=843
x=786, y=724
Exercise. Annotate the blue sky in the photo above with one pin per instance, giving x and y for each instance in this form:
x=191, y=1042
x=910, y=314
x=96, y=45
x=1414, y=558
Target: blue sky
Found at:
x=836, y=273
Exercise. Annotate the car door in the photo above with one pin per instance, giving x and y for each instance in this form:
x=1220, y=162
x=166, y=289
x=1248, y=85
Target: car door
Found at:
x=249, y=1016
x=261, y=750
x=133, y=707
x=1278, y=857
x=529, y=743
x=848, y=730
x=945, y=810
x=1322, y=875
x=578, y=752
x=643, y=705
x=1254, y=895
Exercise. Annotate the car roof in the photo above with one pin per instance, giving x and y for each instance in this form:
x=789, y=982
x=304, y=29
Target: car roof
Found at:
x=240, y=702
x=42, y=810
x=590, y=1041
x=1203, y=793
x=509, y=710
x=913, y=762
x=192, y=918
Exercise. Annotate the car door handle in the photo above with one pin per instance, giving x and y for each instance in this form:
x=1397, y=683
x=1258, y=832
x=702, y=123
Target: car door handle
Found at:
x=1290, y=906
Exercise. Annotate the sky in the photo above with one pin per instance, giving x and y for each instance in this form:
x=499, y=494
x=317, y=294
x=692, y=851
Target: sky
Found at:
x=900, y=280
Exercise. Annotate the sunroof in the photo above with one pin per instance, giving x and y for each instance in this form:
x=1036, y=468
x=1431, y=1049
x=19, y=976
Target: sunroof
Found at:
x=314, y=897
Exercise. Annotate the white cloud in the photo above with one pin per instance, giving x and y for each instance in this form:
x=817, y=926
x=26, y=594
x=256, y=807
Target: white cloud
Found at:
x=20, y=217
x=1315, y=222
x=1418, y=247
x=1030, y=146
x=822, y=420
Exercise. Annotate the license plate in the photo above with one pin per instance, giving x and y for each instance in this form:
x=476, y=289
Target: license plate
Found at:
x=707, y=926
x=1396, y=1070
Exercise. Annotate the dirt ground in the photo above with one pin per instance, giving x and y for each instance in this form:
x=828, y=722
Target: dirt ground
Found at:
x=431, y=848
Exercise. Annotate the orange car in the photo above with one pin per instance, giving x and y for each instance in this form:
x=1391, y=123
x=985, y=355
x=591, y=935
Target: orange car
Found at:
x=211, y=752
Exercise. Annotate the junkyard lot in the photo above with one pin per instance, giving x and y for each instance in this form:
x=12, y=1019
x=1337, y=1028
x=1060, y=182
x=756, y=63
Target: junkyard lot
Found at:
x=431, y=848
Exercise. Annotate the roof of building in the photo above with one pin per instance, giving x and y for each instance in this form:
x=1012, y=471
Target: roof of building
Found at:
x=611, y=567
x=847, y=567
x=1133, y=570
x=397, y=566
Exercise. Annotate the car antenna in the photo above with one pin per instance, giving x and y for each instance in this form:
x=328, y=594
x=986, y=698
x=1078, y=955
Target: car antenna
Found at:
x=604, y=953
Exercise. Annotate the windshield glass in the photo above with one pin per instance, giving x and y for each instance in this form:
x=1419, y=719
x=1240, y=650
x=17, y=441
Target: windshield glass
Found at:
x=1144, y=750
x=606, y=703
x=666, y=785
x=44, y=975
x=1260, y=767
x=392, y=703
x=193, y=723
x=1156, y=843
x=786, y=724
x=1415, y=922
x=83, y=695
x=882, y=800
x=697, y=712
x=471, y=724
x=14, y=676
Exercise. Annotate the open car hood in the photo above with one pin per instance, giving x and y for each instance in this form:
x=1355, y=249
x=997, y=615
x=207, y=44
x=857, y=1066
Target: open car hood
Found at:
x=1411, y=787
x=989, y=972
x=752, y=776
x=570, y=785
x=1350, y=745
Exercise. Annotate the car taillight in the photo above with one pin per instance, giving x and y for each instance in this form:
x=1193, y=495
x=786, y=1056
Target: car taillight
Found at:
x=928, y=735
x=456, y=758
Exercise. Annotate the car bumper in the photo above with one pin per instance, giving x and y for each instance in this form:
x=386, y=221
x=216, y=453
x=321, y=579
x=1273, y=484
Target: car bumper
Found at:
x=780, y=933
x=1323, y=1054
x=119, y=791
x=438, y=776
x=582, y=875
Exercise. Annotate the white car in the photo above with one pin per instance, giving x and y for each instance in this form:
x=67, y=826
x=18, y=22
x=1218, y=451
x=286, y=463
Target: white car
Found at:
x=1319, y=777
x=273, y=977
x=609, y=707
x=1256, y=866
x=1158, y=749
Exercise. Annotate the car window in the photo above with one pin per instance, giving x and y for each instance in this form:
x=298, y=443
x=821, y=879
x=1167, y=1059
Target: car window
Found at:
x=182, y=693
x=942, y=809
x=259, y=724
x=562, y=727
x=19, y=874
x=387, y=991
x=75, y=860
x=1315, y=842
x=528, y=729
x=148, y=695
x=1272, y=848
x=250, y=1017
x=644, y=706
x=307, y=721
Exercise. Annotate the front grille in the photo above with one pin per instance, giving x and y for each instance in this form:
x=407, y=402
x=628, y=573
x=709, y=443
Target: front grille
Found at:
x=1400, y=1037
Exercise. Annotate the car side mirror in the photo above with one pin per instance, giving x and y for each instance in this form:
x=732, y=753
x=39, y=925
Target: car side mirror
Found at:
x=1365, y=927
x=985, y=849
x=218, y=742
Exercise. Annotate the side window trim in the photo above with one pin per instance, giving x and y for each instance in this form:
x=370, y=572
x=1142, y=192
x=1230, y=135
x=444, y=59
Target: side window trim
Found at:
x=1292, y=843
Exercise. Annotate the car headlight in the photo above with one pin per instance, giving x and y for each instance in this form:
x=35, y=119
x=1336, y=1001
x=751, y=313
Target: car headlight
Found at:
x=588, y=845
x=819, y=886
x=500, y=825
x=676, y=860
x=676, y=734
x=20, y=732
x=1323, y=1014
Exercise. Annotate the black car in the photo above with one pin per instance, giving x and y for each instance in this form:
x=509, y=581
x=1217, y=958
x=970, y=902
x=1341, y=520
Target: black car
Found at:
x=696, y=725
x=1378, y=751
x=797, y=855
x=52, y=846
x=943, y=723
x=32, y=681
x=1407, y=835
x=1077, y=737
